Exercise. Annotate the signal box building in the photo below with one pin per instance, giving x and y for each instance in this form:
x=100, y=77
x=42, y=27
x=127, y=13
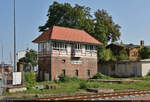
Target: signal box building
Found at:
x=67, y=51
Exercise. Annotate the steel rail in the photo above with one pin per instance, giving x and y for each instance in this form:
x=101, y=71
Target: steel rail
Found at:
x=99, y=96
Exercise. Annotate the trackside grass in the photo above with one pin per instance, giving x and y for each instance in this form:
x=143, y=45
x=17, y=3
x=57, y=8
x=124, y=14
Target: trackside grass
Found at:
x=68, y=86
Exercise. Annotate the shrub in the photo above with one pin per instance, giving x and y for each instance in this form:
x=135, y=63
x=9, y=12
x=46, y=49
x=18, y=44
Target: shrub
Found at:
x=64, y=78
x=145, y=52
x=101, y=76
x=93, y=85
x=83, y=85
x=30, y=79
x=123, y=55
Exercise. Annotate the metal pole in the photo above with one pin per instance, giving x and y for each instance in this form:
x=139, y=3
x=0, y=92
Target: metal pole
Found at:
x=2, y=66
x=14, y=35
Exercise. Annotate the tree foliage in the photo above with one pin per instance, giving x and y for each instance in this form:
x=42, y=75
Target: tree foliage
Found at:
x=31, y=58
x=78, y=17
x=101, y=25
x=123, y=55
x=106, y=55
x=105, y=28
x=145, y=52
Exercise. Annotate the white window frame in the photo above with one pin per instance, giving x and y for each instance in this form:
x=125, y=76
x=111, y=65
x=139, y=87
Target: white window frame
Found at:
x=59, y=46
x=78, y=46
x=90, y=48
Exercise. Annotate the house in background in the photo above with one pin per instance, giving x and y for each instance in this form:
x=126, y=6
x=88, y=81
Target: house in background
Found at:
x=133, y=67
x=7, y=70
x=67, y=51
x=21, y=54
x=132, y=50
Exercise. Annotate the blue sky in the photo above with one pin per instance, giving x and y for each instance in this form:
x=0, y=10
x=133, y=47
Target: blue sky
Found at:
x=132, y=15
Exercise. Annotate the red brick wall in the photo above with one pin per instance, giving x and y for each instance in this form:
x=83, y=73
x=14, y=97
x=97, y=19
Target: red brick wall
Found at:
x=55, y=65
x=87, y=64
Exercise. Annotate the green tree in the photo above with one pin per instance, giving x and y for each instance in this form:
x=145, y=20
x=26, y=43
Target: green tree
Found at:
x=30, y=59
x=105, y=54
x=78, y=17
x=105, y=28
x=123, y=55
x=145, y=52
x=101, y=26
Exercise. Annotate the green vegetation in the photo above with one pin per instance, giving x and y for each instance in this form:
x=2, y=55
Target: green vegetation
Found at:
x=145, y=52
x=30, y=59
x=101, y=25
x=123, y=55
x=102, y=76
x=69, y=86
x=64, y=78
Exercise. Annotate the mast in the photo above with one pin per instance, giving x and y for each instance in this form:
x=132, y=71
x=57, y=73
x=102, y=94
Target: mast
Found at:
x=14, y=35
x=2, y=66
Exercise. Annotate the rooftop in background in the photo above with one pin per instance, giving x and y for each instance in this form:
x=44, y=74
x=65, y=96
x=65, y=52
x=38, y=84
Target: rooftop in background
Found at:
x=6, y=65
x=66, y=34
x=125, y=45
x=128, y=45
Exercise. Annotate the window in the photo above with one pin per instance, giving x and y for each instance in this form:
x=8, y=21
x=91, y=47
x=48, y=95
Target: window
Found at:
x=76, y=73
x=41, y=46
x=59, y=46
x=90, y=48
x=64, y=72
x=78, y=46
x=89, y=73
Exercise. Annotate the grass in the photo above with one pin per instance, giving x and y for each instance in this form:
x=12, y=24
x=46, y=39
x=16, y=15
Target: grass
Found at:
x=68, y=86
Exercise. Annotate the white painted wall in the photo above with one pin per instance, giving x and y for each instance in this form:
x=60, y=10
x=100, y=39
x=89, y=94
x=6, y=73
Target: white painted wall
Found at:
x=145, y=68
x=21, y=54
x=67, y=52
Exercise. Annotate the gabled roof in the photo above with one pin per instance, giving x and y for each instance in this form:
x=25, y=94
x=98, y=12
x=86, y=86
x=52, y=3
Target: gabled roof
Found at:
x=66, y=34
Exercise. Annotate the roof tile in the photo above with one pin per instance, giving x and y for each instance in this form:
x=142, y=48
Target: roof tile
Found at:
x=66, y=34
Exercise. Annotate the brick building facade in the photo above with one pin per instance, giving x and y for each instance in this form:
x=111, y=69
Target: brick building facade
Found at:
x=131, y=49
x=66, y=51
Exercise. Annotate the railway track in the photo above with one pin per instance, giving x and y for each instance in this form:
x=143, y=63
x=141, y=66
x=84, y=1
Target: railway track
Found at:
x=101, y=96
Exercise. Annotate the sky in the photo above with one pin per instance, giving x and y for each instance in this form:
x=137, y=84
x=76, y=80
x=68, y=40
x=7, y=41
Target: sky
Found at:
x=132, y=15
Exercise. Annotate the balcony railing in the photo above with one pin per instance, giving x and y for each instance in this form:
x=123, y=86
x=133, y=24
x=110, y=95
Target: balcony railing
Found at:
x=73, y=53
x=76, y=53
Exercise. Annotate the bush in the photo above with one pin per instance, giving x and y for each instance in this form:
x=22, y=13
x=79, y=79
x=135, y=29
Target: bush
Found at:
x=101, y=76
x=93, y=85
x=30, y=79
x=145, y=52
x=64, y=78
x=123, y=55
x=83, y=85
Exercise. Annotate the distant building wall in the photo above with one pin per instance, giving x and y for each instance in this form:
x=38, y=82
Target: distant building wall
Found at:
x=21, y=54
x=128, y=68
x=145, y=68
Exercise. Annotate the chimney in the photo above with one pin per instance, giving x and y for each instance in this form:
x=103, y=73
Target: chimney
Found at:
x=142, y=42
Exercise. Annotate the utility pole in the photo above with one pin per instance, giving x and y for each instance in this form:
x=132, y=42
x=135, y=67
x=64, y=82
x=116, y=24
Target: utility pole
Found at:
x=11, y=59
x=2, y=66
x=15, y=35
